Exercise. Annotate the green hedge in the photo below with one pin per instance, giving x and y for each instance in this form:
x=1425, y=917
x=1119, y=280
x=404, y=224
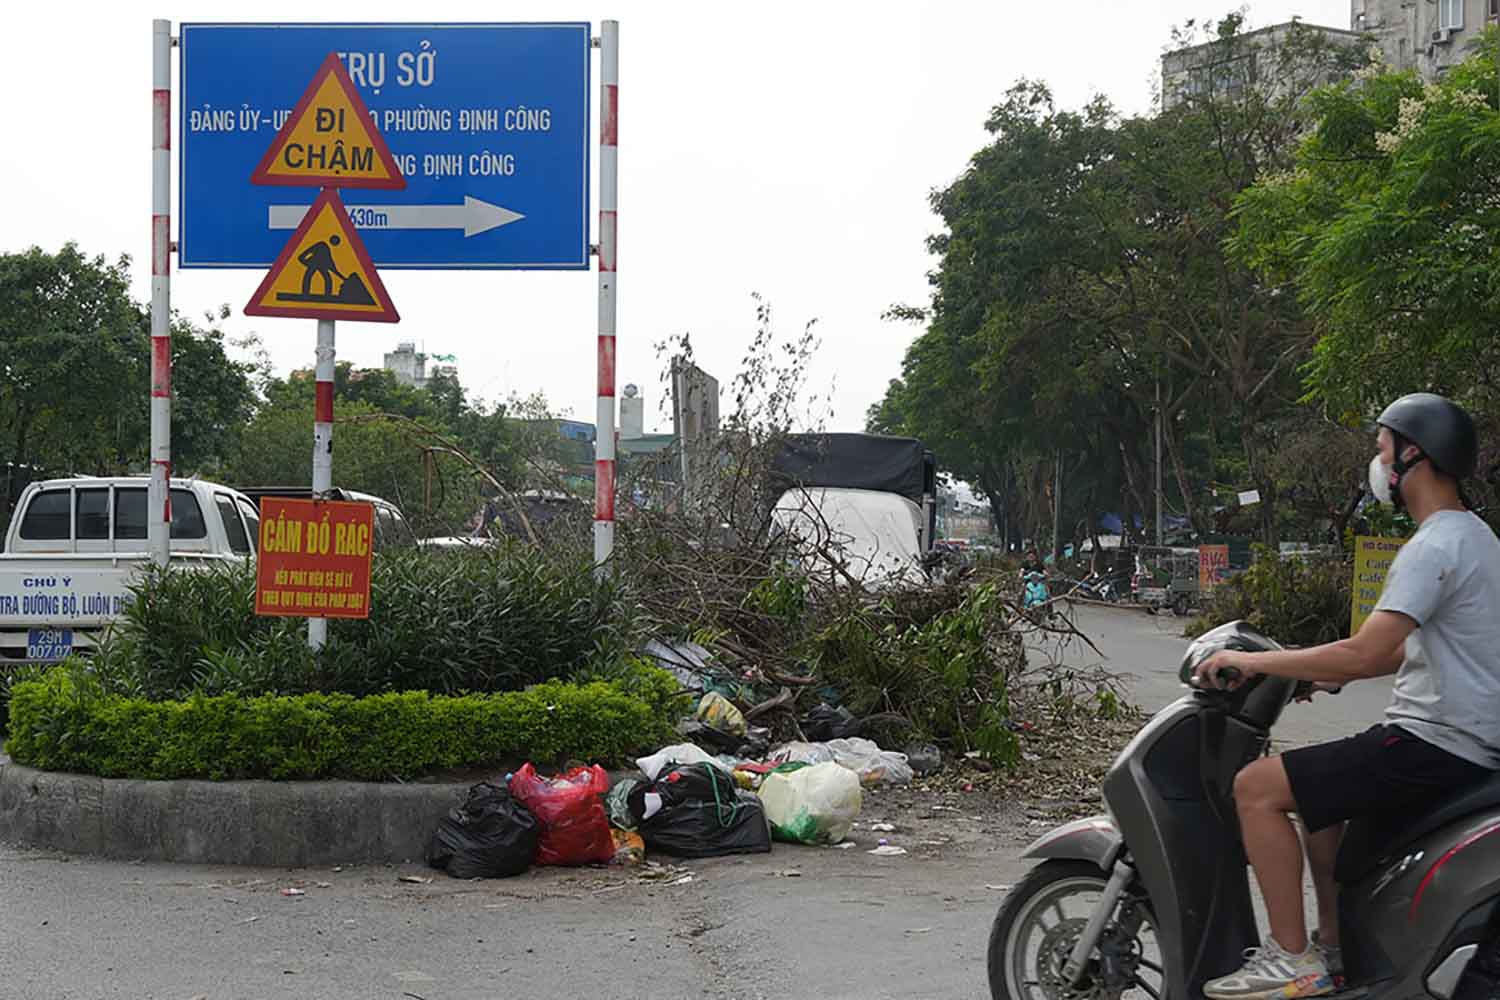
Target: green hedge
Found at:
x=66, y=722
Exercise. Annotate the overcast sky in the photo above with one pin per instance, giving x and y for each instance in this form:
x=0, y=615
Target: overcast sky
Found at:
x=773, y=148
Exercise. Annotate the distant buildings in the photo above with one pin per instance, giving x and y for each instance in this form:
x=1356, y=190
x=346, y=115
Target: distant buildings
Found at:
x=1273, y=60
x=1424, y=35
x=1428, y=36
x=409, y=365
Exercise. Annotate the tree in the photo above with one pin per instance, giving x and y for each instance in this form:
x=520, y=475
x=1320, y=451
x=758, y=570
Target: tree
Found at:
x=411, y=446
x=1084, y=286
x=75, y=372
x=213, y=397
x=1017, y=362
x=69, y=358
x=1385, y=226
x=383, y=457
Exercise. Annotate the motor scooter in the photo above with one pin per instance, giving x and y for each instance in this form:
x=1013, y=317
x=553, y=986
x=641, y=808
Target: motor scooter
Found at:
x=1153, y=899
x=1034, y=590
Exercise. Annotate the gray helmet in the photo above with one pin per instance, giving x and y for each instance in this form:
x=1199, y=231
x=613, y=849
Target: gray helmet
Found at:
x=1438, y=426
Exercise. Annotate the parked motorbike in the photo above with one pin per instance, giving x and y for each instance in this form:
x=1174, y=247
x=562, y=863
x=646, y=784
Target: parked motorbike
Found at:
x=1154, y=898
x=1095, y=587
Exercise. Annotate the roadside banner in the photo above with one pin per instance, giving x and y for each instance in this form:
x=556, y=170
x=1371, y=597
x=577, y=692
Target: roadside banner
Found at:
x=313, y=558
x=1372, y=561
x=1213, y=565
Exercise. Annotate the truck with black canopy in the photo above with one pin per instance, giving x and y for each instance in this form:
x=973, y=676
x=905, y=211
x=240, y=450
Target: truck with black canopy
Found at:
x=866, y=502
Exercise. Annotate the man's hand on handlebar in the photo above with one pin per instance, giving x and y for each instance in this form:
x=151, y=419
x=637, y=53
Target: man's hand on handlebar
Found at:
x=1223, y=671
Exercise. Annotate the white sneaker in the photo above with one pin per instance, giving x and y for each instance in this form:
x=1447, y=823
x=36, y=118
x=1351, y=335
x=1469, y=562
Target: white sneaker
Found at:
x=1272, y=972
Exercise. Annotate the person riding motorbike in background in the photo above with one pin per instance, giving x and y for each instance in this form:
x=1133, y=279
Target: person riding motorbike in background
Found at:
x=1437, y=627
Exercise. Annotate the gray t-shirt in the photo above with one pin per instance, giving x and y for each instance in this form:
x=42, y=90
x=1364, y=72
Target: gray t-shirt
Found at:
x=1447, y=580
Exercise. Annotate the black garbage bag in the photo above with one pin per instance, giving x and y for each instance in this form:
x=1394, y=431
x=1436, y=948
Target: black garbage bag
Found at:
x=490, y=836
x=826, y=723
x=715, y=741
x=702, y=814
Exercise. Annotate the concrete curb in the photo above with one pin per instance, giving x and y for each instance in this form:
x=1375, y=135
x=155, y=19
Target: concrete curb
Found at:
x=274, y=823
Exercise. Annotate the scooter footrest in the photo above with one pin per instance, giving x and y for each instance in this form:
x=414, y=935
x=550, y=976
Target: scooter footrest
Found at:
x=1348, y=993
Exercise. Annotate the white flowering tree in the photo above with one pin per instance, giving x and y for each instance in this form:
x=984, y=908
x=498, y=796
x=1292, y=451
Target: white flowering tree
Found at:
x=1388, y=229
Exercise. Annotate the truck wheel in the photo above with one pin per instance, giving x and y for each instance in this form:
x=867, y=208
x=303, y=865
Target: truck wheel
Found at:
x=1180, y=605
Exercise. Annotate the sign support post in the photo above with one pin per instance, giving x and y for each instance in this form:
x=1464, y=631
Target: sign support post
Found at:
x=322, y=457
x=604, y=437
x=159, y=505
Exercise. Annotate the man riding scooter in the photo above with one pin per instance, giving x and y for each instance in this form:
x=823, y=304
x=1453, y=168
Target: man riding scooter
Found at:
x=1437, y=627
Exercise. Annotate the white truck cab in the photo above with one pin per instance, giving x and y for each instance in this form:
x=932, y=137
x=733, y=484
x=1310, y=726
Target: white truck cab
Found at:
x=75, y=545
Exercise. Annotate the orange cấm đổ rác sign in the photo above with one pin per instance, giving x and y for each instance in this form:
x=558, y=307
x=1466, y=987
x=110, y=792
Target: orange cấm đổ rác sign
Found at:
x=313, y=558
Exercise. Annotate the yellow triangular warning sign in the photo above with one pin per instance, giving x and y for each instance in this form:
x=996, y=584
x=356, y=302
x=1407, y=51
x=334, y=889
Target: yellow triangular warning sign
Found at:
x=324, y=272
x=330, y=140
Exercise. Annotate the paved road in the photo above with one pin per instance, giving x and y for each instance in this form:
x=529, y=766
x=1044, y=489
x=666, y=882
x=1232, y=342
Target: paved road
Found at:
x=1148, y=650
x=851, y=925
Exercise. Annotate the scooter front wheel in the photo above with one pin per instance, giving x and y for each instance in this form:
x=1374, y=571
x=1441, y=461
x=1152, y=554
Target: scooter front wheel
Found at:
x=1039, y=923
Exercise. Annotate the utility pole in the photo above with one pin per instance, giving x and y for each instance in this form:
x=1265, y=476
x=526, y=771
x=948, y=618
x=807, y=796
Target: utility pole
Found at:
x=1159, y=534
x=1057, y=497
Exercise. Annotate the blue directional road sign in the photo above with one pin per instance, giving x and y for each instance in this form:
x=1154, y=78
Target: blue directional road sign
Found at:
x=489, y=123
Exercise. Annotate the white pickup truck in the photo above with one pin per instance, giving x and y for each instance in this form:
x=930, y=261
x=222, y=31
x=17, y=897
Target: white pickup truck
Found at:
x=75, y=545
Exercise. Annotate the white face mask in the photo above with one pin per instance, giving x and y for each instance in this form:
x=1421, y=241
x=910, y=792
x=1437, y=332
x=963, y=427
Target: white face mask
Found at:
x=1380, y=480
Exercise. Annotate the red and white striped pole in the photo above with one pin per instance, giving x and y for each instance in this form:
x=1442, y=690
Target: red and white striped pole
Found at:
x=159, y=513
x=322, y=458
x=609, y=165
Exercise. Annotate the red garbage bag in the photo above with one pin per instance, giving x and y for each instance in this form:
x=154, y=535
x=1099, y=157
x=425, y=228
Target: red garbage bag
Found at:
x=575, y=827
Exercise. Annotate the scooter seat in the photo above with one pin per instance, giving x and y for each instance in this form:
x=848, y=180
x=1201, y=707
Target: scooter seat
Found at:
x=1369, y=842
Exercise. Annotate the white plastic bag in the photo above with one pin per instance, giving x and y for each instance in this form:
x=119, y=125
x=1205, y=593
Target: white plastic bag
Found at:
x=872, y=764
x=812, y=805
x=801, y=753
x=678, y=753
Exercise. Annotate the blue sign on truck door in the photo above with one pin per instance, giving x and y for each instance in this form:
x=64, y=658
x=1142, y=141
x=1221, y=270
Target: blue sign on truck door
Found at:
x=489, y=124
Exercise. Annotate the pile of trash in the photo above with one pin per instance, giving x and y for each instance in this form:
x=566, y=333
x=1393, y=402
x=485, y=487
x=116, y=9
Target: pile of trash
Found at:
x=685, y=802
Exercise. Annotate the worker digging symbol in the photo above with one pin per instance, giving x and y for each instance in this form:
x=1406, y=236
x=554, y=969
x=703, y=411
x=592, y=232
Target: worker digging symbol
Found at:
x=317, y=262
x=324, y=272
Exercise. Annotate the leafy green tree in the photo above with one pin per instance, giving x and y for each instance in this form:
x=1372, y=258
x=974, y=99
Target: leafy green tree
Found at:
x=69, y=361
x=1386, y=227
x=383, y=457
x=75, y=372
x=1084, y=286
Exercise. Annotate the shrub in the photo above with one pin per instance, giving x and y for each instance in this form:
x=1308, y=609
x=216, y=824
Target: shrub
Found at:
x=1296, y=601
x=440, y=621
x=945, y=669
x=67, y=721
x=10, y=676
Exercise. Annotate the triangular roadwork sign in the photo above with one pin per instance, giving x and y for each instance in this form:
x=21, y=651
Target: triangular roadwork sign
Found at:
x=324, y=272
x=330, y=140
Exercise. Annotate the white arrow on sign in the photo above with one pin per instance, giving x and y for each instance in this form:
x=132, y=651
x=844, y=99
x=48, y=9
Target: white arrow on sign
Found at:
x=474, y=216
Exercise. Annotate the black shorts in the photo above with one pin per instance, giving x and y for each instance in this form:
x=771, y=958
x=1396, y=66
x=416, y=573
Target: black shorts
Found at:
x=1384, y=772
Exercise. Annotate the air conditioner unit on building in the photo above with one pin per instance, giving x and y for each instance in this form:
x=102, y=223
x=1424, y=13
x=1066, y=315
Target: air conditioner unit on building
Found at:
x=1442, y=36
